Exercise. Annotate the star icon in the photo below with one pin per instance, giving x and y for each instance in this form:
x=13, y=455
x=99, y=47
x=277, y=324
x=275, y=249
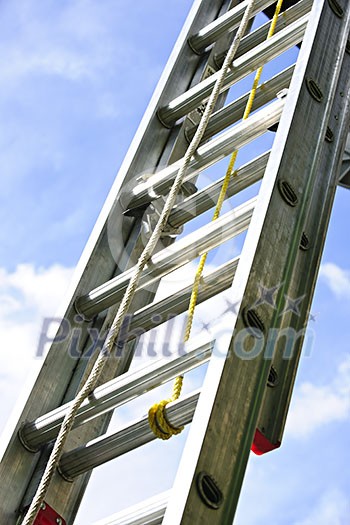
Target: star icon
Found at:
x=205, y=326
x=292, y=305
x=312, y=317
x=267, y=295
x=231, y=307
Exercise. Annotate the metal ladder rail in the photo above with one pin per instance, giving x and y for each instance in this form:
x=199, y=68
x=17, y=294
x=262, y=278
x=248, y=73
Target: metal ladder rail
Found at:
x=217, y=446
x=97, y=264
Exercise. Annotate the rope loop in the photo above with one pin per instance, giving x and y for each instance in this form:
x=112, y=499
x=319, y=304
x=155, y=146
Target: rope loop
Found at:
x=159, y=423
x=157, y=419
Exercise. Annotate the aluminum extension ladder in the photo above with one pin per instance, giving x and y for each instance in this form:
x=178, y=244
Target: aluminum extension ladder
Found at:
x=248, y=385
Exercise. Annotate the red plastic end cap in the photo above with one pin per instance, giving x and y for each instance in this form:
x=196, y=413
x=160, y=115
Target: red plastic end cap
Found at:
x=261, y=444
x=48, y=516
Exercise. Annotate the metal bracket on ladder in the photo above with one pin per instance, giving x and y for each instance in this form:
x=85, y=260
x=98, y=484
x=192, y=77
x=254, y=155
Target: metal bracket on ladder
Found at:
x=48, y=516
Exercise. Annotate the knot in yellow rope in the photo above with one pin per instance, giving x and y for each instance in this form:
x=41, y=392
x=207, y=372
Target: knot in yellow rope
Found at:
x=157, y=419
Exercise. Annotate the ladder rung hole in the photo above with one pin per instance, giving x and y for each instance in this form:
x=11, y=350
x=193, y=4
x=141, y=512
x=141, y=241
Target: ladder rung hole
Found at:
x=272, y=380
x=336, y=8
x=304, y=242
x=314, y=90
x=253, y=322
x=209, y=491
x=287, y=193
x=329, y=135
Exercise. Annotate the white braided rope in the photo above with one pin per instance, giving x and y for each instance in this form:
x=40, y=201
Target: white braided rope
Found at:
x=133, y=283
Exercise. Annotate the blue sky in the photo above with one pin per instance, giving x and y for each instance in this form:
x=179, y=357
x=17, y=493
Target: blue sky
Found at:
x=76, y=77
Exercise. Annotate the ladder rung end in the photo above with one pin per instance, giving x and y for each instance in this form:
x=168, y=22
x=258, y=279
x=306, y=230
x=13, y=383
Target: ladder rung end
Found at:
x=103, y=449
x=204, y=239
x=210, y=153
x=241, y=67
x=227, y=22
x=204, y=199
x=233, y=112
x=116, y=392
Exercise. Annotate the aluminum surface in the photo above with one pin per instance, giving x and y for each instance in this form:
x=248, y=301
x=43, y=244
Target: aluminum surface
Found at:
x=207, y=154
x=231, y=113
x=115, y=393
x=227, y=22
x=76, y=462
x=258, y=36
x=185, y=250
x=203, y=200
x=241, y=67
x=149, y=512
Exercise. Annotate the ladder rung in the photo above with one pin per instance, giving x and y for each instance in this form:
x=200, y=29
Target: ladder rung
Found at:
x=227, y=22
x=207, y=154
x=212, y=284
x=115, y=393
x=203, y=199
x=103, y=449
x=241, y=67
x=130, y=385
x=148, y=512
x=182, y=252
x=231, y=113
x=259, y=35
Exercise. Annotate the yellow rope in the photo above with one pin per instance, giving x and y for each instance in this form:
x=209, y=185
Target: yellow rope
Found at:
x=158, y=422
x=156, y=415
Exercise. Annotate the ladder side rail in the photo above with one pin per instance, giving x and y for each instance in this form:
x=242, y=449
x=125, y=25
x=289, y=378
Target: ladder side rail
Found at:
x=273, y=414
x=219, y=440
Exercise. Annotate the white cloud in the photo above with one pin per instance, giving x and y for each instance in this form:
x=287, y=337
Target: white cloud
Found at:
x=332, y=508
x=337, y=279
x=314, y=406
x=27, y=295
x=38, y=288
x=72, y=46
